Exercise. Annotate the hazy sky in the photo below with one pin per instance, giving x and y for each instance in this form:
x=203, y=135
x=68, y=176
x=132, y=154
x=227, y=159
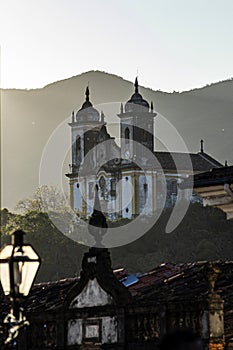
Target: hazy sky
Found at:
x=174, y=44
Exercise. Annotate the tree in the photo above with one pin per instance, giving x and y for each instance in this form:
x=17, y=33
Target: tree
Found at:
x=45, y=199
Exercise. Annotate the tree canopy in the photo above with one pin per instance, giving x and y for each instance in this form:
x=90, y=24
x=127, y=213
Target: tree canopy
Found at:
x=45, y=199
x=204, y=234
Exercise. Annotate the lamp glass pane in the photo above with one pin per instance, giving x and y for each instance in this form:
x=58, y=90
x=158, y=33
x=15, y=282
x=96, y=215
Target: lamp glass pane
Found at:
x=29, y=271
x=5, y=255
x=25, y=271
x=5, y=278
x=25, y=265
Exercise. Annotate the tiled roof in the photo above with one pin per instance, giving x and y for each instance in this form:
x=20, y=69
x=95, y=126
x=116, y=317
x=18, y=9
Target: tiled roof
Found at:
x=171, y=161
x=168, y=161
x=166, y=283
x=213, y=177
x=200, y=161
x=173, y=280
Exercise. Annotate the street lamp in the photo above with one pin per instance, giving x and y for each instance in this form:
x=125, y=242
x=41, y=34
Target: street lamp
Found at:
x=19, y=264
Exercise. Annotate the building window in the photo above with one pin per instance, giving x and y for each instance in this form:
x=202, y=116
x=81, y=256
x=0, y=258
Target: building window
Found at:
x=113, y=188
x=127, y=210
x=77, y=185
x=102, y=183
x=127, y=135
x=91, y=190
x=78, y=149
x=174, y=187
x=92, y=330
x=126, y=179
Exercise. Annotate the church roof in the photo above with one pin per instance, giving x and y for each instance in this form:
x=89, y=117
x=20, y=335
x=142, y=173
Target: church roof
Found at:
x=200, y=161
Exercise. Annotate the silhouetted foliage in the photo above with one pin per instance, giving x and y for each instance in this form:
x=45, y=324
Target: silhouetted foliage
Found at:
x=204, y=234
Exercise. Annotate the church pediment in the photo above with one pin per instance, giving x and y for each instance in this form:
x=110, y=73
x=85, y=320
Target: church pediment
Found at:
x=98, y=285
x=92, y=295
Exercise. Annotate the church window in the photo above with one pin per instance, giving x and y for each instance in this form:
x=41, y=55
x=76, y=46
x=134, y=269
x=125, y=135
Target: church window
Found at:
x=174, y=187
x=77, y=185
x=127, y=210
x=145, y=186
x=102, y=183
x=78, y=148
x=91, y=190
x=89, y=141
x=113, y=188
x=126, y=179
x=127, y=135
x=91, y=330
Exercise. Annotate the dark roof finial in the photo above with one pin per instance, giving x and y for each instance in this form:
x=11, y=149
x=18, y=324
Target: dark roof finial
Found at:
x=202, y=146
x=87, y=93
x=136, y=85
x=226, y=163
x=122, y=108
x=97, y=224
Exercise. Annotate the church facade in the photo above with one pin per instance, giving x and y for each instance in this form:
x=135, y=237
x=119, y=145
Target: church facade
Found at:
x=132, y=178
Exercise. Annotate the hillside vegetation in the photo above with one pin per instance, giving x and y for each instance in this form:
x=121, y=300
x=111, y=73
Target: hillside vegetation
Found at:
x=204, y=234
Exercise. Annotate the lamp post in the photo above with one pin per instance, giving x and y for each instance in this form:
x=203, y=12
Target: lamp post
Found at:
x=19, y=264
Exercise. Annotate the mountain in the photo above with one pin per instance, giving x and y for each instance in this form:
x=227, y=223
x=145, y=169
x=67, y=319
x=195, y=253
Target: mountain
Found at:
x=29, y=118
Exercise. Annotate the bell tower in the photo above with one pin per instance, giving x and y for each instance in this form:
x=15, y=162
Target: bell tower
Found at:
x=136, y=124
x=85, y=129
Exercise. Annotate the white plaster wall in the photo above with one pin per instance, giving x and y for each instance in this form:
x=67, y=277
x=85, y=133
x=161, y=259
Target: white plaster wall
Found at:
x=75, y=330
x=146, y=200
x=77, y=196
x=109, y=330
x=88, y=195
x=111, y=208
x=91, y=295
x=117, y=200
x=127, y=195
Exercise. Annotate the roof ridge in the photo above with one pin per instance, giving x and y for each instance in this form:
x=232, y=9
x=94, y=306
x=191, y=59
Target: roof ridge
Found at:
x=208, y=157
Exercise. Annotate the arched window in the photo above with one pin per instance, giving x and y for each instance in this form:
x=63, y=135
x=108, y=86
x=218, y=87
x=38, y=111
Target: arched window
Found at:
x=78, y=144
x=127, y=134
x=78, y=149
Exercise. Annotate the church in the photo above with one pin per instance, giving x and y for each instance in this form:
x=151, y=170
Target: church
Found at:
x=133, y=178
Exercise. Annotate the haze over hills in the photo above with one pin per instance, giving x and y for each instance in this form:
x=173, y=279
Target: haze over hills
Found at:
x=29, y=118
